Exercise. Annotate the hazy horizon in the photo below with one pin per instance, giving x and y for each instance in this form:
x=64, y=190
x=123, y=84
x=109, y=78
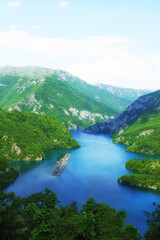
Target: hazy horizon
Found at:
x=110, y=42
x=94, y=84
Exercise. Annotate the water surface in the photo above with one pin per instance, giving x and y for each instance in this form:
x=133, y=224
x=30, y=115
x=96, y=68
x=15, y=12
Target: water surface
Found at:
x=92, y=170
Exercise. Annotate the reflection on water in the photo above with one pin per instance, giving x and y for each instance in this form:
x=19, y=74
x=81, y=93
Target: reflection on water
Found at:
x=24, y=166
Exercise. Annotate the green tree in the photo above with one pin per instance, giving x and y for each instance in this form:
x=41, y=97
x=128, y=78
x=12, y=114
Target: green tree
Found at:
x=153, y=221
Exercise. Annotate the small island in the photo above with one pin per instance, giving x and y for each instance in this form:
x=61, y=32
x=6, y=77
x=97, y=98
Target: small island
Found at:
x=61, y=165
x=146, y=173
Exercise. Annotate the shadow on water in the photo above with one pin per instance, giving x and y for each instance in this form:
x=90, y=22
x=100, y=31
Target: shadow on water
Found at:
x=24, y=165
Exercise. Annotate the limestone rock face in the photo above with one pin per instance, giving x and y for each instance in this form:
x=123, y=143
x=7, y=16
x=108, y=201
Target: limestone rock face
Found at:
x=132, y=113
x=15, y=149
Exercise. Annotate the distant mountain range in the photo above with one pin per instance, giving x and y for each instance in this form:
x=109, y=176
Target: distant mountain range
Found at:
x=128, y=93
x=115, y=97
x=57, y=93
x=138, y=126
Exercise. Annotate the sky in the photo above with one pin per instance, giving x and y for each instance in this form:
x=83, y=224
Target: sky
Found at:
x=114, y=42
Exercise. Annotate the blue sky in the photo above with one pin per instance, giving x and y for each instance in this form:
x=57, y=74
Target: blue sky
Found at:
x=114, y=42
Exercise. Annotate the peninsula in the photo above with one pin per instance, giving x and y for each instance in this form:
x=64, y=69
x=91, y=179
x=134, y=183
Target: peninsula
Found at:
x=146, y=173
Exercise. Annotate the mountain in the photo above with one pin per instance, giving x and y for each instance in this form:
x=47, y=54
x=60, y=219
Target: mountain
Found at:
x=138, y=126
x=40, y=90
x=129, y=94
x=115, y=97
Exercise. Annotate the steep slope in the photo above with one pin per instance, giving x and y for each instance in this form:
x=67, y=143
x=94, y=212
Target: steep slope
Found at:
x=115, y=97
x=143, y=136
x=41, y=91
x=25, y=135
x=138, y=126
x=128, y=93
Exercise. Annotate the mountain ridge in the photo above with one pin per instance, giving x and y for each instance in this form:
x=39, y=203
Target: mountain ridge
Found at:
x=49, y=94
x=57, y=93
x=119, y=100
x=138, y=126
x=121, y=121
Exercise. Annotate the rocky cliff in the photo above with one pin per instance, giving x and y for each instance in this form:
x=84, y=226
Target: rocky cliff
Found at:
x=143, y=104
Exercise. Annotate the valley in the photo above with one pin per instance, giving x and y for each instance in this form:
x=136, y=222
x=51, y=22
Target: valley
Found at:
x=138, y=127
x=72, y=101
x=39, y=105
x=92, y=170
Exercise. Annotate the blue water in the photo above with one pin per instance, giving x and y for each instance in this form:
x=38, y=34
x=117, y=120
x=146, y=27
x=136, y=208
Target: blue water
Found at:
x=92, y=170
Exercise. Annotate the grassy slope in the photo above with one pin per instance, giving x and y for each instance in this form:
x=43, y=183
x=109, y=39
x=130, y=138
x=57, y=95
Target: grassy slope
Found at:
x=51, y=92
x=143, y=136
x=102, y=95
x=67, y=97
x=10, y=94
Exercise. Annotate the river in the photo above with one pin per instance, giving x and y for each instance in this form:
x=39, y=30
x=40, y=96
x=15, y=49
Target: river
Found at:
x=92, y=170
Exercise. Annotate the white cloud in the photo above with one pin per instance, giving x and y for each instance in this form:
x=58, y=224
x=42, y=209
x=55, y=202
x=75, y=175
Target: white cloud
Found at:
x=63, y=4
x=132, y=72
x=104, y=59
x=35, y=27
x=14, y=4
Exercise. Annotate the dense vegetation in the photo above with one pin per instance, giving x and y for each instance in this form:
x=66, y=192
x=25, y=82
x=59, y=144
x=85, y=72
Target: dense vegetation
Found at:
x=153, y=221
x=39, y=90
x=7, y=176
x=148, y=173
x=143, y=136
x=18, y=84
x=63, y=97
x=25, y=135
x=40, y=217
x=100, y=94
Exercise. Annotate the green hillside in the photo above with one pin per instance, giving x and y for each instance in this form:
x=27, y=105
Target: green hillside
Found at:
x=117, y=100
x=143, y=136
x=129, y=94
x=40, y=90
x=25, y=135
x=148, y=173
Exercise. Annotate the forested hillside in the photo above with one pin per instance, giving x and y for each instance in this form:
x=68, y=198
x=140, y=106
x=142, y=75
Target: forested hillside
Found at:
x=115, y=97
x=25, y=135
x=71, y=100
x=138, y=126
x=143, y=136
x=39, y=90
x=146, y=173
